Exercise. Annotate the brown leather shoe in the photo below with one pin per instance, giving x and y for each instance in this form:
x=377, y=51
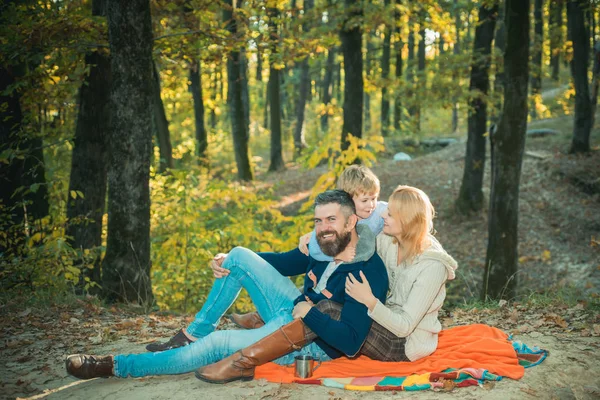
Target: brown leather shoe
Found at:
x=247, y=321
x=241, y=364
x=179, y=340
x=85, y=366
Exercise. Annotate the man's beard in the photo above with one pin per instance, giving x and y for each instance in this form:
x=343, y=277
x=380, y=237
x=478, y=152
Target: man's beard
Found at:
x=334, y=247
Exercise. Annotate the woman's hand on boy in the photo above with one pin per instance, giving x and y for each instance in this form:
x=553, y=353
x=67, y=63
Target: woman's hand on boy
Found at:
x=303, y=246
x=215, y=265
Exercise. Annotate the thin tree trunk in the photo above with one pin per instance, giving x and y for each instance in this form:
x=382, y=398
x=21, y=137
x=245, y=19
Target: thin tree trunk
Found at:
x=422, y=82
x=579, y=71
x=245, y=89
x=410, y=70
x=235, y=99
x=126, y=265
x=89, y=160
x=555, y=28
x=304, y=89
x=328, y=85
x=536, y=58
x=508, y=143
x=161, y=126
x=470, y=197
x=213, y=113
x=385, y=74
x=277, y=163
x=456, y=52
x=595, y=81
x=367, y=65
x=351, y=36
x=398, y=46
x=196, y=90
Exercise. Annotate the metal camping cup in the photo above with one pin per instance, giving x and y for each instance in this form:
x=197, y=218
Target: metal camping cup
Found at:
x=303, y=366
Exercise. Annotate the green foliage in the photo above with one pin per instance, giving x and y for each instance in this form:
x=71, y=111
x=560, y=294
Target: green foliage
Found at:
x=195, y=217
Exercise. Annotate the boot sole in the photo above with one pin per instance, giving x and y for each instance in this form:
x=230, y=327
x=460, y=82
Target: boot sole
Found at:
x=223, y=381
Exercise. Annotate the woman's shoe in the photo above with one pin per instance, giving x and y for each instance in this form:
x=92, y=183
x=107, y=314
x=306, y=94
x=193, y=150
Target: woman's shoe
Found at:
x=85, y=366
x=247, y=321
x=179, y=340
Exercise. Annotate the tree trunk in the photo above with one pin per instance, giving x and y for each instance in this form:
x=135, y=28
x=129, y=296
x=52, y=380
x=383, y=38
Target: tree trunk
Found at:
x=499, y=47
x=351, y=36
x=304, y=88
x=196, y=90
x=555, y=28
x=470, y=197
x=126, y=265
x=398, y=46
x=277, y=163
x=213, y=113
x=536, y=58
x=422, y=82
x=367, y=67
x=456, y=51
x=161, y=125
x=579, y=71
x=235, y=99
x=595, y=81
x=89, y=160
x=410, y=70
x=385, y=74
x=508, y=143
x=328, y=85
x=245, y=89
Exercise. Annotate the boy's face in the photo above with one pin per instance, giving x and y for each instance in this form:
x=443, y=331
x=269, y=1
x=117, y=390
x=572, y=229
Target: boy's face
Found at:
x=365, y=204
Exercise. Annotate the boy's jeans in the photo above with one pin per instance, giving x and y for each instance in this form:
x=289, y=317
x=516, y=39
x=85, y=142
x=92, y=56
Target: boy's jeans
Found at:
x=273, y=295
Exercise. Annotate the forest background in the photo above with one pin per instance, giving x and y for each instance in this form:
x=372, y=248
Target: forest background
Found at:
x=141, y=139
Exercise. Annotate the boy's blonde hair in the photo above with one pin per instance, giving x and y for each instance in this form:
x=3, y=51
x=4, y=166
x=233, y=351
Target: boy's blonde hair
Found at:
x=357, y=180
x=412, y=208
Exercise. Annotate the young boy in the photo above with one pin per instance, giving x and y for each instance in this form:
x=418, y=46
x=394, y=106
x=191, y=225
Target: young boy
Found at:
x=362, y=184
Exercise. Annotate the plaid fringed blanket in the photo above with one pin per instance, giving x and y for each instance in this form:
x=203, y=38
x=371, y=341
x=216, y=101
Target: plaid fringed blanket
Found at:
x=466, y=356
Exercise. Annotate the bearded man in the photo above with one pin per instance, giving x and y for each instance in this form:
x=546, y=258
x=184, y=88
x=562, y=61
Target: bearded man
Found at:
x=294, y=322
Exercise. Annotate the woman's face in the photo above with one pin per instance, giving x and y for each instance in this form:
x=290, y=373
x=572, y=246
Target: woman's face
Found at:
x=391, y=227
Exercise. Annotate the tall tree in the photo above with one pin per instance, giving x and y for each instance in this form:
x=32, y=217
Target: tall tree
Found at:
x=499, y=48
x=398, y=46
x=235, y=98
x=277, y=163
x=422, y=82
x=456, y=51
x=579, y=35
x=470, y=197
x=328, y=85
x=410, y=69
x=508, y=144
x=385, y=74
x=536, y=57
x=161, y=125
x=89, y=160
x=555, y=28
x=351, y=36
x=195, y=88
x=367, y=74
x=304, y=86
x=126, y=265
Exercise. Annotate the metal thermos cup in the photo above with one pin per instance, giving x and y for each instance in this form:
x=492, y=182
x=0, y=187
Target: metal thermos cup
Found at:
x=304, y=366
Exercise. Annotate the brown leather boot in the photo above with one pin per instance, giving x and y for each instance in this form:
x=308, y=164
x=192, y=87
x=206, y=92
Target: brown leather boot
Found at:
x=241, y=364
x=179, y=340
x=85, y=366
x=247, y=321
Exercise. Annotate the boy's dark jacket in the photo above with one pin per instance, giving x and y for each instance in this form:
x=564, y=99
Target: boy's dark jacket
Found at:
x=344, y=337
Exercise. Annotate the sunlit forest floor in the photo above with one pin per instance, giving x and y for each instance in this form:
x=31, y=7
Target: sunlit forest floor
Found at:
x=557, y=307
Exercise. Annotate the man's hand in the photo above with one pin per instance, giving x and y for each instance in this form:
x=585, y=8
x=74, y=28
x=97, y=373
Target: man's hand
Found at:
x=361, y=292
x=301, y=309
x=215, y=265
x=303, y=246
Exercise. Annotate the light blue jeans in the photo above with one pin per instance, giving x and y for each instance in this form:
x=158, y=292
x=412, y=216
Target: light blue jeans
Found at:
x=273, y=295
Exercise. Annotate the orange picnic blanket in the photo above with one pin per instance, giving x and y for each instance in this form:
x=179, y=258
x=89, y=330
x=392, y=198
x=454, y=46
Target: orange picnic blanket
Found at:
x=470, y=346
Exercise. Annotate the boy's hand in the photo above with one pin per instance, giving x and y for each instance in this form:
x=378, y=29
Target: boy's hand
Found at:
x=303, y=246
x=347, y=255
x=215, y=265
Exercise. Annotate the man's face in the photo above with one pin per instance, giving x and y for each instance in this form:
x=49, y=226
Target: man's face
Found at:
x=332, y=229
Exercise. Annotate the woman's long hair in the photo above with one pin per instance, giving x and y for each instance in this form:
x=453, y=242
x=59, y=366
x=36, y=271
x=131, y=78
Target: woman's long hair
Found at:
x=413, y=210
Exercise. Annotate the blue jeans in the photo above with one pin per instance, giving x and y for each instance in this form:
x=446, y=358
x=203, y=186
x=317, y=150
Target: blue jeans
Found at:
x=273, y=295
